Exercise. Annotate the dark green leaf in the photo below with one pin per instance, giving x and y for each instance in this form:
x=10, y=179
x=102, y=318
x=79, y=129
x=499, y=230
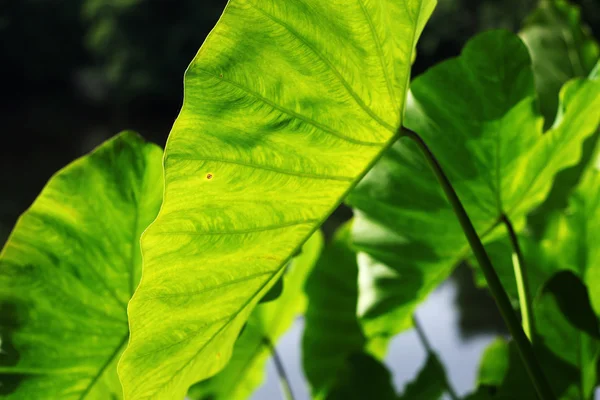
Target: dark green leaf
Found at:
x=332, y=332
x=363, y=377
x=561, y=48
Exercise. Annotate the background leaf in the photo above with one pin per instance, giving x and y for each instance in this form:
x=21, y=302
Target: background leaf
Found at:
x=68, y=270
x=477, y=113
x=287, y=105
x=561, y=48
x=267, y=323
x=332, y=333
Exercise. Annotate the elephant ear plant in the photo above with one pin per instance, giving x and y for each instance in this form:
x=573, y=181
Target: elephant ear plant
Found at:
x=288, y=105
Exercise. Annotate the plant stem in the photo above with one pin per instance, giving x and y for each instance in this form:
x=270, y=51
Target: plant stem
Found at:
x=286, y=388
x=431, y=352
x=522, y=281
x=502, y=301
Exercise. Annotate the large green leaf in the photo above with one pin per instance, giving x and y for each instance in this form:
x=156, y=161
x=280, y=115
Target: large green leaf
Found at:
x=332, y=333
x=68, y=270
x=287, y=105
x=477, y=113
x=561, y=48
x=267, y=323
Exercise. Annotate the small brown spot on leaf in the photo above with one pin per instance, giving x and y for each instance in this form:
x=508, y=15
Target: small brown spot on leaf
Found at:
x=209, y=176
x=220, y=75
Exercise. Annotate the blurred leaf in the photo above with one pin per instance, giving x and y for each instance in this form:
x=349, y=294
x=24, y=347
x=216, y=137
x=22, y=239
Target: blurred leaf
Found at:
x=68, y=271
x=267, y=323
x=569, y=328
x=332, y=332
x=516, y=383
x=568, y=354
x=430, y=384
x=363, y=377
x=561, y=48
x=287, y=105
x=274, y=292
x=477, y=113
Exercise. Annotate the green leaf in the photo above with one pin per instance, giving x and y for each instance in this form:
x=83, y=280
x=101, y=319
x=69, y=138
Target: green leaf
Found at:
x=68, y=270
x=267, y=323
x=561, y=47
x=477, y=113
x=430, y=384
x=571, y=238
x=363, y=377
x=332, y=332
x=569, y=328
x=515, y=383
x=287, y=105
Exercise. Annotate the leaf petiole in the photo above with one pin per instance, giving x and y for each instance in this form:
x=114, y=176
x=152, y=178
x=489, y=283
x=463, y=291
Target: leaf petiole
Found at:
x=523, y=344
x=522, y=281
x=286, y=388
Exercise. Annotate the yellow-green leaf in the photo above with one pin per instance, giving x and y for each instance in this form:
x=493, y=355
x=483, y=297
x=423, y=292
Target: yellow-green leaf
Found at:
x=68, y=270
x=287, y=105
x=267, y=323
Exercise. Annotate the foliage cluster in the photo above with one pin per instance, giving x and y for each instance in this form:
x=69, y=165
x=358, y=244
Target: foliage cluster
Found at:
x=143, y=274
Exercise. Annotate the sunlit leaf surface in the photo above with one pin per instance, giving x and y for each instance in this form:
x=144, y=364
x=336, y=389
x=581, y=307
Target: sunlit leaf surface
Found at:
x=68, y=270
x=267, y=323
x=478, y=114
x=287, y=105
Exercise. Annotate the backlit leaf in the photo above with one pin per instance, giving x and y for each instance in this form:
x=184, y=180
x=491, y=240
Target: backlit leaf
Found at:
x=68, y=270
x=287, y=105
x=267, y=323
x=477, y=112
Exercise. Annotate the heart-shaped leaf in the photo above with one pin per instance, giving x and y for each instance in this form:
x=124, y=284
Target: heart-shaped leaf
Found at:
x=68, y=270
x=478, y=114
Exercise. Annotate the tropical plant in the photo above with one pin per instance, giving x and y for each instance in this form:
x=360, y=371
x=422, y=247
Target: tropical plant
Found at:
x=291, y=108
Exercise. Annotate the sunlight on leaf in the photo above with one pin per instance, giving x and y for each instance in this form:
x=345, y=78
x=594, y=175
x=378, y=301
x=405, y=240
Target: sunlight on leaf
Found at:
x=267, y=323
x=477, y=113
x=68, y=270
x=287, y=105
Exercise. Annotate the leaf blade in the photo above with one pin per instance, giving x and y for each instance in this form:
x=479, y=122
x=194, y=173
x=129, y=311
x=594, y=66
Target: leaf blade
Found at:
x=282, y=155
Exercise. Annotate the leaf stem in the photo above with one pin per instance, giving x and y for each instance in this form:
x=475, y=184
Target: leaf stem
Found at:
x=522, y=281
x=286, y=388
x=431, y=352
x=502, y=301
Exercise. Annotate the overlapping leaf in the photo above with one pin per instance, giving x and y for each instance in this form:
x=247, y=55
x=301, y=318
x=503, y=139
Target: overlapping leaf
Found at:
x=68, y=270
x=478, y=114
x=332, y=333
x=561, y=48
x=246, y=369
x=571, y=239
x=567, y=347
x=287, y=105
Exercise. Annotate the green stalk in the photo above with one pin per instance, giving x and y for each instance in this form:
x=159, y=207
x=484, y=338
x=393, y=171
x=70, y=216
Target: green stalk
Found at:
x=522, y=281
x=523, y=344
x=286, y=388
x=431, y=352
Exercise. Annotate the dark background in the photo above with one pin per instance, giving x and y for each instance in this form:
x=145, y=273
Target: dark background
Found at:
x=75, y=72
